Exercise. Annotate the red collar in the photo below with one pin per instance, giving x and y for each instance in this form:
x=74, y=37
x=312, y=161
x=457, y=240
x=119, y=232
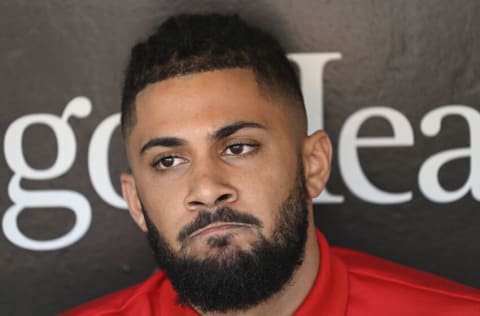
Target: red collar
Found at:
x=329, y=293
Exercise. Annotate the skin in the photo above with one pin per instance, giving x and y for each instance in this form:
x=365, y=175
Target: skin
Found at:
x=251, y=169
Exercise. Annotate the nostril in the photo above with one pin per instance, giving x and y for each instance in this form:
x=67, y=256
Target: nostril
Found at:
x=196, y=203
x=224, y=197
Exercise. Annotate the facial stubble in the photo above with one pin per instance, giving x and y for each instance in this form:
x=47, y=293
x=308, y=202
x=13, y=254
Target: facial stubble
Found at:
x=237, y=279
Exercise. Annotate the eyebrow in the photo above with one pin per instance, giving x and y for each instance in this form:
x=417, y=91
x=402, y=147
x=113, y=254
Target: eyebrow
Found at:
x=162, y=141
x=219, y=134
x=230, y=129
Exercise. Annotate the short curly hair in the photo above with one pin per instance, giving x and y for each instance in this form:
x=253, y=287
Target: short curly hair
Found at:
x=191, y=43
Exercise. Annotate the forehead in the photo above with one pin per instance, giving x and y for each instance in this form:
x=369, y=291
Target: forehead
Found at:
x=203, y=102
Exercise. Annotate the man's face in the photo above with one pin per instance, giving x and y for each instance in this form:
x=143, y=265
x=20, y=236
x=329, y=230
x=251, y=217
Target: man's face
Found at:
x=218, y=182
x=208, y=140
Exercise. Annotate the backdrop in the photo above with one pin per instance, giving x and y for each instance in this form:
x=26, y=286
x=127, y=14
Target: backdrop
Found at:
x=395, y=84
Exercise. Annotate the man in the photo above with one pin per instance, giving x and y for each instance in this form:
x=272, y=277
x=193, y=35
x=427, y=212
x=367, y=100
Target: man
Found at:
x=222, y=180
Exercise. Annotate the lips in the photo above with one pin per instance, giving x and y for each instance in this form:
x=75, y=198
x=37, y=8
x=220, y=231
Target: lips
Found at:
x=218, y=227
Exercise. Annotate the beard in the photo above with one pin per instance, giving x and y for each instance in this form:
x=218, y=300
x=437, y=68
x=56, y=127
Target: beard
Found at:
x=236, y=279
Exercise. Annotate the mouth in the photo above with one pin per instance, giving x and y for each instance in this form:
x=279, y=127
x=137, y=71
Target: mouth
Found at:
x=219, y=227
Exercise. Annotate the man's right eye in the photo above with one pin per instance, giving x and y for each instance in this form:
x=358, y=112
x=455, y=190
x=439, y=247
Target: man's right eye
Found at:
x=168, y=162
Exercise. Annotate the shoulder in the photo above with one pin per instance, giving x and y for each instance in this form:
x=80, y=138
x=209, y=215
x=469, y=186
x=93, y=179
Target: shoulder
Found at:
x=384, y=284
x=134, y=300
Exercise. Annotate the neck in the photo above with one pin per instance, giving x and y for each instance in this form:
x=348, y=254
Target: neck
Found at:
x=287, y=300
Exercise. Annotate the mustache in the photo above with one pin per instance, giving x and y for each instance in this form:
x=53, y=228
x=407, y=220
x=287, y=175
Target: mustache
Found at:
x=222, y=214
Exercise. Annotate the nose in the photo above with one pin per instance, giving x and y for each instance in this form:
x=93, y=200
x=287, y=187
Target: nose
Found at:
x=210, y=186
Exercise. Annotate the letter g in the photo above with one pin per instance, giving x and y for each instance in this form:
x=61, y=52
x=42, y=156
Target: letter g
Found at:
x=78, y=107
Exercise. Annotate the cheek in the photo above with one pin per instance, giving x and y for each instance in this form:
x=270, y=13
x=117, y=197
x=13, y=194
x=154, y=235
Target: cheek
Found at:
x=165, y=209
x=265, y=188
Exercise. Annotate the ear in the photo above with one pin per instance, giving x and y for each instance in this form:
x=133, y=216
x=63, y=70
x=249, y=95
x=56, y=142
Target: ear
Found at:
x=129, y=191
x=317, y=156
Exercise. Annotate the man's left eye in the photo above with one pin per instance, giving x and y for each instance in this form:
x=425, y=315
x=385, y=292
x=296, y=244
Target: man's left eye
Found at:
x=240, y=149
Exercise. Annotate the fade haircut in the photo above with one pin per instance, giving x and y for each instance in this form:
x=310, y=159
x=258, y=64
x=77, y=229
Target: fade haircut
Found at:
x=189, y=43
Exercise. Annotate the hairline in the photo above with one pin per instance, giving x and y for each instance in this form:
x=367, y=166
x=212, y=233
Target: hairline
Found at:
x=270, y=91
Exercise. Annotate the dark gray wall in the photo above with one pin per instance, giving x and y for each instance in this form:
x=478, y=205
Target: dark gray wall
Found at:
x=412, y=56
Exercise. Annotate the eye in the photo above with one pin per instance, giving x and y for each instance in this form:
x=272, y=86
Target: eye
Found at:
x=168, y=162
x=240, y=149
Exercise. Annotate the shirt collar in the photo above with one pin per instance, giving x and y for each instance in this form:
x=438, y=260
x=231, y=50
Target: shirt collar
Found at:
x=329, y=294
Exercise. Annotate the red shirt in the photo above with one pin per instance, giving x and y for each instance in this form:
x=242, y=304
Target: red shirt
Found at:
x=348, y=283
